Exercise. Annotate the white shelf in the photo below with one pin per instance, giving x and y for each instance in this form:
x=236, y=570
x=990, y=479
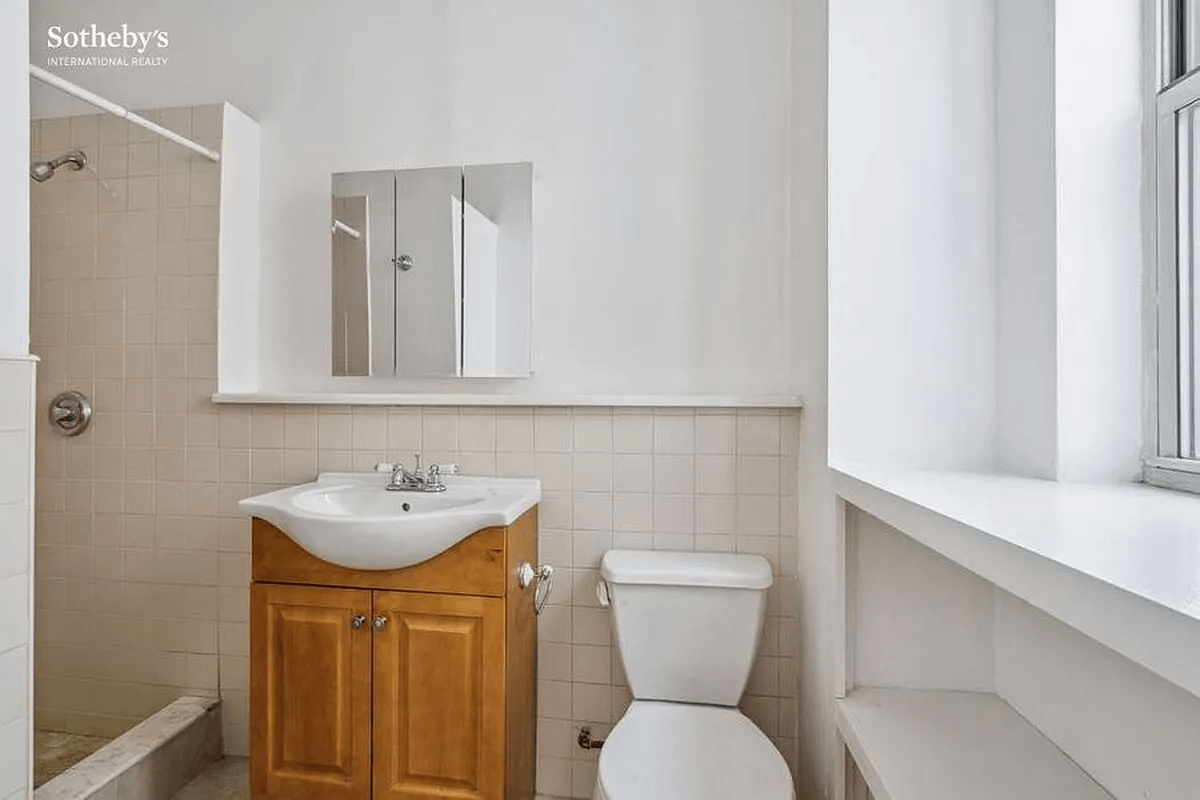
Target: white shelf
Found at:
x=1119, y=563
x=601, y=400
x=934, y=745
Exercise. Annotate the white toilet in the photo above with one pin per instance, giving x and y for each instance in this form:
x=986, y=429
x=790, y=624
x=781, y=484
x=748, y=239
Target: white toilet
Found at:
x=687, y=626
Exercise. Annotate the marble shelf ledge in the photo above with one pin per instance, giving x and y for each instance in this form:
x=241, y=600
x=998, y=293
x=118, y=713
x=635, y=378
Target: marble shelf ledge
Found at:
x=599, y=400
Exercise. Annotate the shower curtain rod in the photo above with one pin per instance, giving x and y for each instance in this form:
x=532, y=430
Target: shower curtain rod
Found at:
x=120, y=111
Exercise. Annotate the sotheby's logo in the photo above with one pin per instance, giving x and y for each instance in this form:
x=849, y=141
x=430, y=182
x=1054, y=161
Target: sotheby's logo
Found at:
x=118, y=47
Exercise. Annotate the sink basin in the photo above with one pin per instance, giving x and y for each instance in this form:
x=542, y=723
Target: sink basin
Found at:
x=351, y=520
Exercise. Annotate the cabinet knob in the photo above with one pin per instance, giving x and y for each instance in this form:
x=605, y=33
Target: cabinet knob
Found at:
x=379, y=622
x=358, y=621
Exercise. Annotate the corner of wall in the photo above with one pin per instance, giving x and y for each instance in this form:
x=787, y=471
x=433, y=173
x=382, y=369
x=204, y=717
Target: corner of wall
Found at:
x=239, y=253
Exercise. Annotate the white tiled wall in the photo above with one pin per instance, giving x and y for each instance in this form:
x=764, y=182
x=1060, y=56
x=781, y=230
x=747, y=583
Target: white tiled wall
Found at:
x=16, y=451
x=144, y=559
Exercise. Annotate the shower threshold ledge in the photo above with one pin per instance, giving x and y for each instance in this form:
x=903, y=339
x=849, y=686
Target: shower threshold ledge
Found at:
x=1118, y=562
x=151, y=761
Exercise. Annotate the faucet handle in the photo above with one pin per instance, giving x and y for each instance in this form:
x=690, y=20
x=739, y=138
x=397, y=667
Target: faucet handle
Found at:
x=417, y=470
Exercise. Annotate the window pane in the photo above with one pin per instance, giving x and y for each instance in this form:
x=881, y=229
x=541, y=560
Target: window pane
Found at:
x=1189, y=30
x=1187, y=300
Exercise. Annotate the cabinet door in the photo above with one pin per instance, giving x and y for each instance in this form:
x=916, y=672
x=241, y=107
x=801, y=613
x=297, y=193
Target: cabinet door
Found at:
x=310, y=692
x=439, y=697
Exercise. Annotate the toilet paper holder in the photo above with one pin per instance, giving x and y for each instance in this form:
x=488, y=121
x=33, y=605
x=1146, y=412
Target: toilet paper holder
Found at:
x=543, y=575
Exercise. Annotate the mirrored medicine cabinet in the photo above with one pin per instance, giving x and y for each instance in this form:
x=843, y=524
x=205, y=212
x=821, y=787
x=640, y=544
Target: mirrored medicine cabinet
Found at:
x=431, y=272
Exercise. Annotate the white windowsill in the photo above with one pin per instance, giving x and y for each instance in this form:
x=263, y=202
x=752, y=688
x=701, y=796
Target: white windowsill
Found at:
x=1120, y=563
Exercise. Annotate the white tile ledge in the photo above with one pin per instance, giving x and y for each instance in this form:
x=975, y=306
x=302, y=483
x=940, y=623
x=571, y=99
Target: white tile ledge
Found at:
x=19, y=357
x=391, y=399
x=1120, y=563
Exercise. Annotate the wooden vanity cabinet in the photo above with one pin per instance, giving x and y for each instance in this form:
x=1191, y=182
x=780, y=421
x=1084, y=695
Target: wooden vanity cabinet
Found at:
x=409, y=684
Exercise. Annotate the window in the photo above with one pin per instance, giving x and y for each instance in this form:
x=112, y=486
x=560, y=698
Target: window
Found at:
x=1176, y=459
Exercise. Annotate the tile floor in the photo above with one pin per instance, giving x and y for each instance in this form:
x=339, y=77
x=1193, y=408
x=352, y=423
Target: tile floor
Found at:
x=56, y=752
x=229, y=779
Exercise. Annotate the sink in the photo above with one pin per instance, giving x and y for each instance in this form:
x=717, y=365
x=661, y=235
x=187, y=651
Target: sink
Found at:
x=351, y=520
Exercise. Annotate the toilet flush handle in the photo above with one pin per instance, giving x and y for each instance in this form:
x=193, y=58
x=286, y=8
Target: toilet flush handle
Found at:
x=602, y=592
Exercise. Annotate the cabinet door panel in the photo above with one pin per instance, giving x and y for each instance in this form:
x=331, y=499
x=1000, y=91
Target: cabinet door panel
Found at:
x=310, y=691
x=439, y=697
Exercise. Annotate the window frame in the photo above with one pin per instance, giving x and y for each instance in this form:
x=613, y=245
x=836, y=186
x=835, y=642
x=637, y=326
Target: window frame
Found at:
x=1177, y=90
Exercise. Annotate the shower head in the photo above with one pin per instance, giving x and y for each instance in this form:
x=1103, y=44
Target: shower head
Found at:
x=42, y=171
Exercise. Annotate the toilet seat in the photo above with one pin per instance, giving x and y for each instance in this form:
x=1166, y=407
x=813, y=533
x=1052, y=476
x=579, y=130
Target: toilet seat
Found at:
x=678, y=751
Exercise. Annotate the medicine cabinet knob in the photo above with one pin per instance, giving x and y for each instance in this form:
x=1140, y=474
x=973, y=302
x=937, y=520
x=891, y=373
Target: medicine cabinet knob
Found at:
x=380, y=622
x=358, y=621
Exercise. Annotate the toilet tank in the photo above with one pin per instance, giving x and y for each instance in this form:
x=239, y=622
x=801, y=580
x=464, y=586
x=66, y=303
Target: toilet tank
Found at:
x=687, y=624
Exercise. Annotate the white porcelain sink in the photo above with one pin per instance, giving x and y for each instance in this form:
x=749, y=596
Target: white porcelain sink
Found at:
x=351, y=520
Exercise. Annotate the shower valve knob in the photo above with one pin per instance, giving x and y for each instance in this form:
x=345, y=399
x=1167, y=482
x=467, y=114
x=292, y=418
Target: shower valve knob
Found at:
x=70, y=413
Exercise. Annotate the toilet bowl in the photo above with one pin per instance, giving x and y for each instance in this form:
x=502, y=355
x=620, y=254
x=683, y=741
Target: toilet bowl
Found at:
x=687, y=626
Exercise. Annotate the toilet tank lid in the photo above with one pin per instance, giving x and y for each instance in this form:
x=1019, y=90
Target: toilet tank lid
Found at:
x=673, y=568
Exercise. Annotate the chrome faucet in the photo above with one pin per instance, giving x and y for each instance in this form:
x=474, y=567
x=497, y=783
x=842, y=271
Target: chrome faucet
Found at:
x=404, y=480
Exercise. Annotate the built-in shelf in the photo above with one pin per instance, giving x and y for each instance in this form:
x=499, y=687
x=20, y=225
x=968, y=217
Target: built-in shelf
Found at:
x=1119, y=563
x=391, y=399
x=938, y=745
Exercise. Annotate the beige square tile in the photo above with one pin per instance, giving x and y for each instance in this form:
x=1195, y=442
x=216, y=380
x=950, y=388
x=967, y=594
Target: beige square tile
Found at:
x=590, y=626
x=369, y=429
x=591, y=664
x=758, y=475
x=758, y=515
x=554, y=470
x=439, y=431
x=716, y=432
x=633, y=432
x=592, y=512
x=758, y=433
x=591, y=702
x=633, y=512
x=592, y=472
x=143, y=158
x=554, y=699
x=205, y=189
x=552, y=430
x=674, y=514
x=592, y=431
x=674, y=474
x=514, y=431
x=674, y=432
x=334, y=431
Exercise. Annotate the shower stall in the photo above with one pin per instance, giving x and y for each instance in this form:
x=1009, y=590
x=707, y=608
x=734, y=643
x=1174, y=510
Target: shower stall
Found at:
x=138, y=574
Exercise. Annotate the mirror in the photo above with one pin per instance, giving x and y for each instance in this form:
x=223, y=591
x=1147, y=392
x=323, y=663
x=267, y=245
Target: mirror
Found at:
x=363, y=243
x=438, y=280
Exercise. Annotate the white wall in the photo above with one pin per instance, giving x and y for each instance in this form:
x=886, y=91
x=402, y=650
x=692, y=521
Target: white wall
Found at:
x=1098, y=152
x=1070, y=261
x=809, y=330
x=16, y=382
x=1026, y=299
x=16, y=580
x=657, y=130
x=912, y=232
x=14, y=180
x=1135, y=733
